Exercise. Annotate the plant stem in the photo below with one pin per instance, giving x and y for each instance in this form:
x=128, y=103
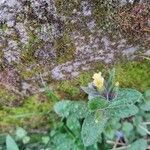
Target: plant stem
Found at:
x=122, y=148
x=146, y=123
x=113, y=142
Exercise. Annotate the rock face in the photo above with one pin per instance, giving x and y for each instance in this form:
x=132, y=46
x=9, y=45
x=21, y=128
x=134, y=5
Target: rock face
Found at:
x=59, y=38
x=22, y=18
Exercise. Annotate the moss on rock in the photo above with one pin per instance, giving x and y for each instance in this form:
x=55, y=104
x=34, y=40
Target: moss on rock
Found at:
x=65, y=48
x=7, y=98
x=32, y=113
x=134, y=74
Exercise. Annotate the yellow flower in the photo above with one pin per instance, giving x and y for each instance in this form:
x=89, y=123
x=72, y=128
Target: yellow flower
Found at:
x=98, y=80
x=117, y=83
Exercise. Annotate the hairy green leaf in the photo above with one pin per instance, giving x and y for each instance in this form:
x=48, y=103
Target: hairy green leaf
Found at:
x=10, y=143
x=91, y=91
x=26, y=139
x=147, y=95
x=97, y=103
x=123, y=111
x=140, y=129
x=140, y=144
x=62, y=142
x=145, y=106
x=74, y=125
x=45, y=139
x=92, y=147
x=91, y=130
x=67, y=108
x=128, y=96
x=127, y=128
x=123, y=106
x=111, y=79
x=137, y=120
x=124, y=102
x=20, y=133
x=111, y=76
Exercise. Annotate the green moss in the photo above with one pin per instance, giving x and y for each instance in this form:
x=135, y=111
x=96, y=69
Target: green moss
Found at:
x=6, y=97
x=3, y=27
x=72, y=88
x=135, y=74
x=65, y=48
x=100, y=12
x=28, y=58
x=66, y=7
x=33, y=113
x=33, y=44
x=26, y=73
x=84, y=78
x=68, y=88
x=103, y=13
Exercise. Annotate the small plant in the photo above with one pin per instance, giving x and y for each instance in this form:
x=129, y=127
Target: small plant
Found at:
x=106, y=102
x=112, y=117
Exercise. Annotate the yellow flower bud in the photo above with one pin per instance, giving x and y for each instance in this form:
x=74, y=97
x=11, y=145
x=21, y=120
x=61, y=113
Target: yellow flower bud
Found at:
x=117, y=83
x=98, y=80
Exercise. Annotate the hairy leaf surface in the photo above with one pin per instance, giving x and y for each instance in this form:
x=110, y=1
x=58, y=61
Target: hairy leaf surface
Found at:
x=140, y=144
x=123, y=111
x=128, y=96
x=91, y=130
x=97, y=103
x=67, y=108
x=10, y=143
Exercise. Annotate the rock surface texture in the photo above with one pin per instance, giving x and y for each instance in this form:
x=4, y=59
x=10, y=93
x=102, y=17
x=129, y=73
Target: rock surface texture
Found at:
x=59, y=39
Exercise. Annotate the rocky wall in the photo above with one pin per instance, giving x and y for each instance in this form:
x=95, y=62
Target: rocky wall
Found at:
x=58, y=39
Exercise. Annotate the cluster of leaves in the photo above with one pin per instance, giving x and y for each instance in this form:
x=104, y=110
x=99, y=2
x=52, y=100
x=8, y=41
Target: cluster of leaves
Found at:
x=101, y=122
x=100, y=115
x=21, y=137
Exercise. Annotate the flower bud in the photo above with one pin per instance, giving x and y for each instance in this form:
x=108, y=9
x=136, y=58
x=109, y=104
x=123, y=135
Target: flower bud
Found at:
x=98, y=80
x=117, y=83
